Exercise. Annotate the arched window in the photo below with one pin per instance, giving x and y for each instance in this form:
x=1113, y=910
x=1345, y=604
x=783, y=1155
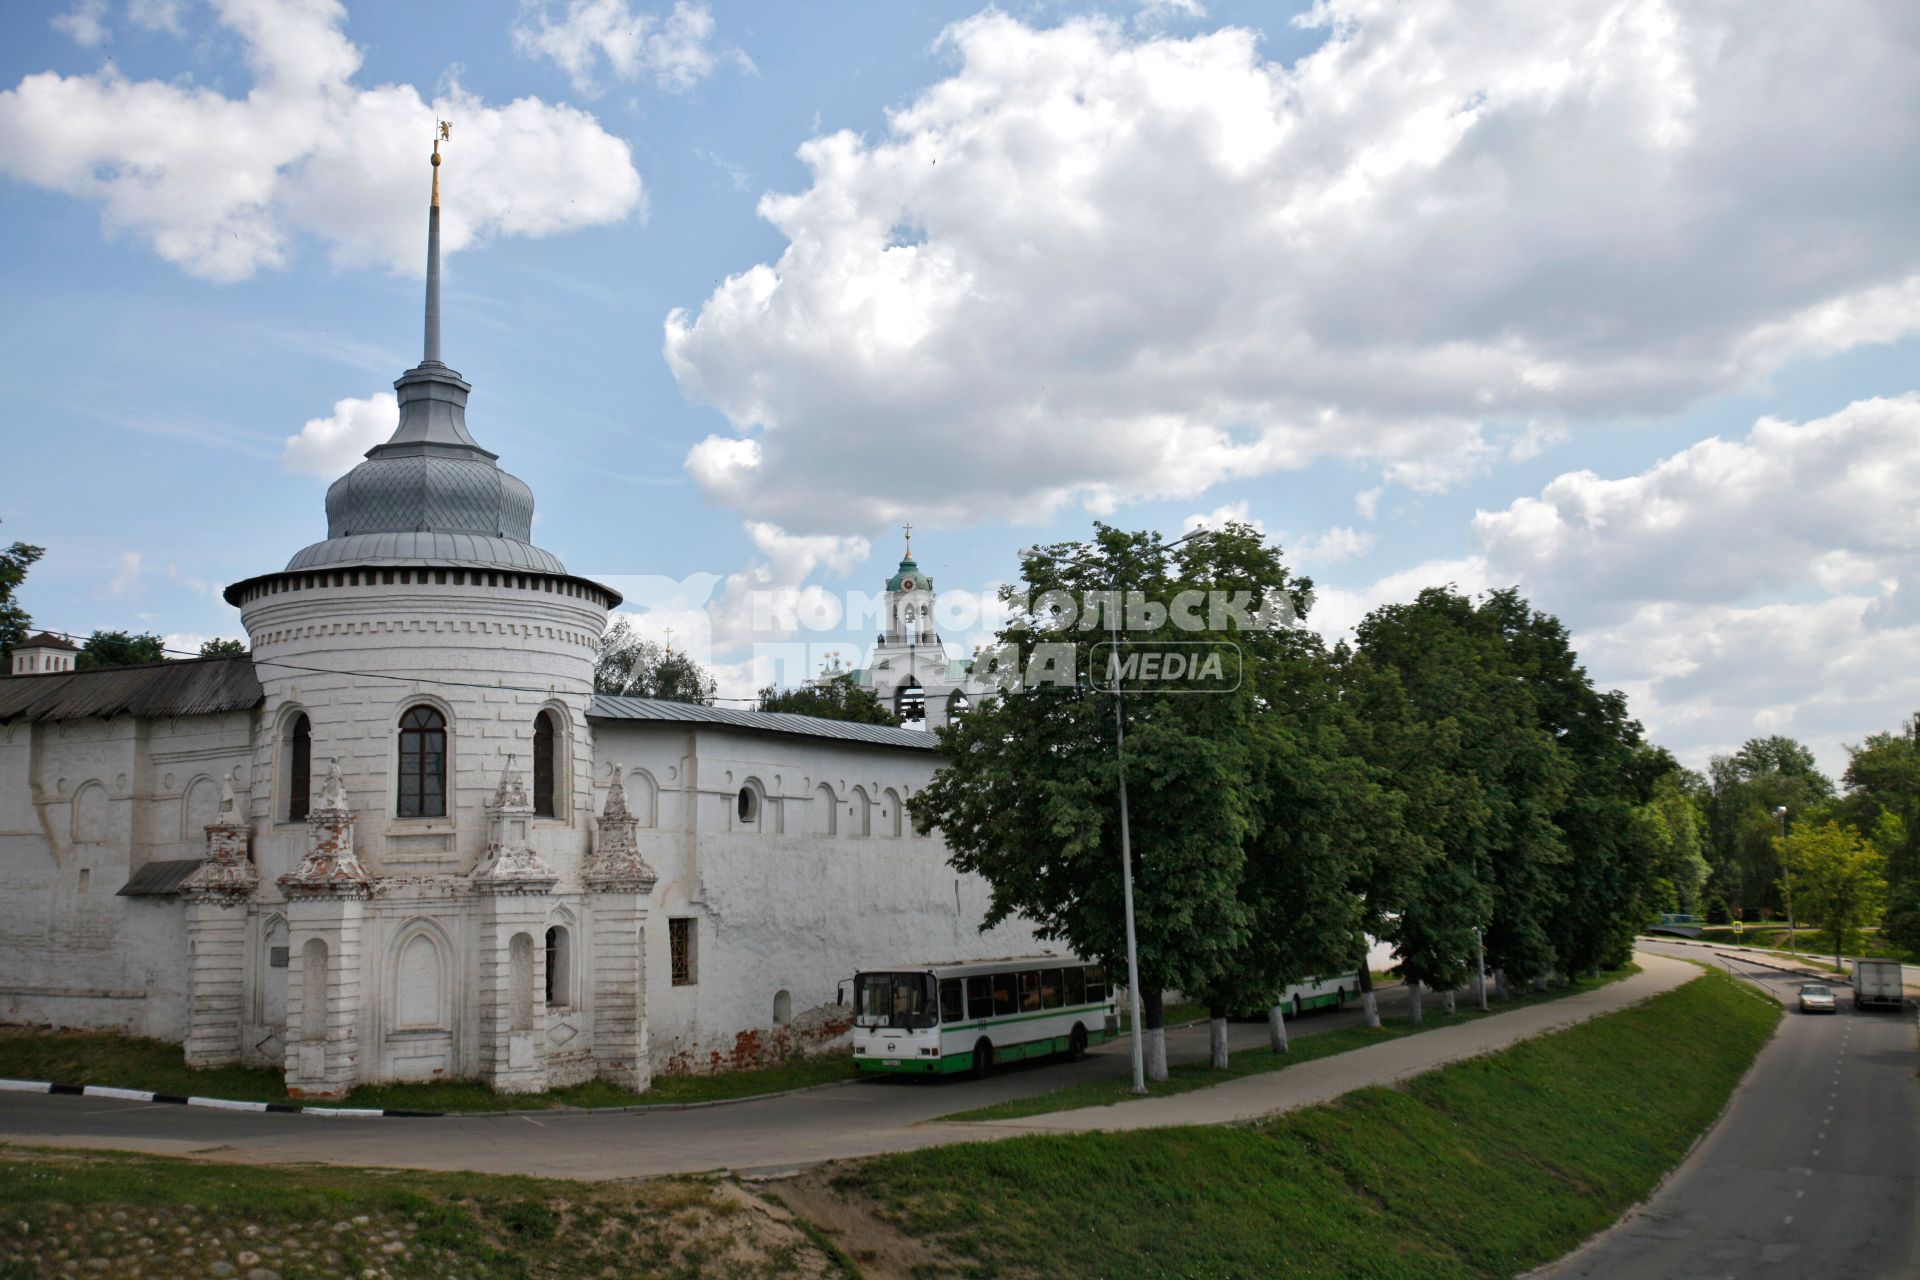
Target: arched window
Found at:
x=423, y=764
x=748, y=806
x=299, y=769
x=559, y=968
x=958, y=704
x=543, y=737
x=782, y=1009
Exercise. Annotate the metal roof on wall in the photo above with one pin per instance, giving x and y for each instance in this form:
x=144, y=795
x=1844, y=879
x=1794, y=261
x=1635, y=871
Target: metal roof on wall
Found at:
x=152, y=690
x=159, y=879
x=614, y=707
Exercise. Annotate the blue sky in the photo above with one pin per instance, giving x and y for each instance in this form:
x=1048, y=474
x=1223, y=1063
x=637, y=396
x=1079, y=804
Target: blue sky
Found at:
x=1431, y=296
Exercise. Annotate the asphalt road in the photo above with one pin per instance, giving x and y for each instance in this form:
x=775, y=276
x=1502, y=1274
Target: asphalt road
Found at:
x=864, y=1117
x=1811, y=1173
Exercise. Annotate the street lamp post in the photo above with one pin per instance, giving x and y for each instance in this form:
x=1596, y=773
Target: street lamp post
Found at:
x=1126, y=833
x=1786, y=872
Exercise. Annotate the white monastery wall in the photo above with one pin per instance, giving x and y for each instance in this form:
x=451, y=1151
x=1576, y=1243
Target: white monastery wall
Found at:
x=825, y=877
x=83, y=805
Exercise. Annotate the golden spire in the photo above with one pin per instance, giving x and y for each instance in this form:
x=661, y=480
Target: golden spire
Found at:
x=444, y=133
x=909, y=532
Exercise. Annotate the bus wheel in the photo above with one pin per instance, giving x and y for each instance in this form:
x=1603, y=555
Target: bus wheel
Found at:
x=982, y=1058
x=1296, y=1006
x=1343, y=997
x=1077, y=1043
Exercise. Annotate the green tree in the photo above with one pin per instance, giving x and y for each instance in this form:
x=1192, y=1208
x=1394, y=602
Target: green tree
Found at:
x=1495, y=822
x=1838, y=879
x=1882, y=783
x=120, y=649
x=1746, y=790
x=15, y=622
x=1676, y=825
x=220, y=648
x=632, y=665
x=1606, y=882
x=1029, y=799
x=835, y=698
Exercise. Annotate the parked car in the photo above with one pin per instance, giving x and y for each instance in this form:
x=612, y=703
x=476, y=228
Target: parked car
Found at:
x=1817, y=999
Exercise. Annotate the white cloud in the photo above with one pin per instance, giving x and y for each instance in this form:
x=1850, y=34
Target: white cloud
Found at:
x=1221, y=515
x=1153, y=15
x=1769, y=584
x=129, y=579
x=1826, y=504
x=1091, y=268
x=676, y=50
x=1335, y=545
x=157, y=15
x=84, y=24
x=331, y=446
x=224, y=186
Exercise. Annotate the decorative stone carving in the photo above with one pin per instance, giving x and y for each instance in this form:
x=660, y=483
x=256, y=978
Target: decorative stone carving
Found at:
x=227, y=876
x=510, y=864
x=616, y=865
x=330, y=868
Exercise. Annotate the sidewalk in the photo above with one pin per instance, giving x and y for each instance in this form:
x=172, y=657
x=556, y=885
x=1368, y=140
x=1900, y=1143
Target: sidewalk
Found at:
x=1311, y=1083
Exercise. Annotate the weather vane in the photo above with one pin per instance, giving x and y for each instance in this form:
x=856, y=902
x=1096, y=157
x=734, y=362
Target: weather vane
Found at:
x=442, y=134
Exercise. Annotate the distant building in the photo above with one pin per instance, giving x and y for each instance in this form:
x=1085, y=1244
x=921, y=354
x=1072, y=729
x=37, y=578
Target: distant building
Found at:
x=403, y=839
x=41, y=654
x=909, y=668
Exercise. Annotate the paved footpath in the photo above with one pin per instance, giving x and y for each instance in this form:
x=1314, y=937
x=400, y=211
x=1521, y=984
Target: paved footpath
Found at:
x=869, y=1118
x=1308, y=1084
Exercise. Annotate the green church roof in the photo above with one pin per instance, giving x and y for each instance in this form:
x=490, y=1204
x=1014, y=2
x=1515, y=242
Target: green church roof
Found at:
x=908, y=569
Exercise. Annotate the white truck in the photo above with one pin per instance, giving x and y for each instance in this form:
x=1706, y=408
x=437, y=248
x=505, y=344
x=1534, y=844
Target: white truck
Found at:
x=1878, y=983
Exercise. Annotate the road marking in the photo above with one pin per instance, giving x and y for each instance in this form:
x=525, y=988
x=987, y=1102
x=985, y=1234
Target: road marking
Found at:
x=1800, y=1194
x=1789, y=1220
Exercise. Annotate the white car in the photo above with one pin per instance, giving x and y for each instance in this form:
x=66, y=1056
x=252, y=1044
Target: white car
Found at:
x=1816, y=999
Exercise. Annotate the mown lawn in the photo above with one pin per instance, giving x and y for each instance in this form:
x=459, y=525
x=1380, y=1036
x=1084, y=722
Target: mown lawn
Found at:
x=158, y=1217
x=131, y=1062
x=1250, y=1062
x=1481, y=1169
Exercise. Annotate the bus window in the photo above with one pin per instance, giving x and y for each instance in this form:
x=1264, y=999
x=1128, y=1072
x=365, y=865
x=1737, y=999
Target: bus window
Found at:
x=950, y=1003
x=1030, y=991
x=979, y=997
x=1005, y=1003
x=1076, y=986
x=1096, y=984
x=893, y=1000
x=1051, y=984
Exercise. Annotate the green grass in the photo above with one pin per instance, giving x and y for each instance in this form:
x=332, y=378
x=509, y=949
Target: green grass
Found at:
x=1252, y=1062
x=1172, y=1015
x=178, y=1217
x=131, y=1062
x=1481, y=1169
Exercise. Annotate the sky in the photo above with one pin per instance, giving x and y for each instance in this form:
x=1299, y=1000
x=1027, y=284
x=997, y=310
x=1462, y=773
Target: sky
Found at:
x=1617, y=301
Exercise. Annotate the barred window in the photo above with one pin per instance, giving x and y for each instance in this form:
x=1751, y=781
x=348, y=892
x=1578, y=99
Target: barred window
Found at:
x=423, y=764
x=300, y=769
x=681, y=944
x=543, y=761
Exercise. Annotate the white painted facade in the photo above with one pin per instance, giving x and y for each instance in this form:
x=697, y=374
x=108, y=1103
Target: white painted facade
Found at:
x=227, y=853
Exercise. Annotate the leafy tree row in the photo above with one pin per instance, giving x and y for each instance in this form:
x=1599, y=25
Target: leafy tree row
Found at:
x=1452, y=779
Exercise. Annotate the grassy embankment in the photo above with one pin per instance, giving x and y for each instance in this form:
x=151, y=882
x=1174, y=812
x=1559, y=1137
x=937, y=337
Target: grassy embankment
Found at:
x=136, y=1215
x=1301, y=1048
x=131, y=1062
x=1480, y=1169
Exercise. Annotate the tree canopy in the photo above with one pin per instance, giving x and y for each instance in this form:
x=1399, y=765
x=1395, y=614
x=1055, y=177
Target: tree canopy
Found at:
x=631, y=664
x=119, y=649
x=15, y=621
x=833, y=698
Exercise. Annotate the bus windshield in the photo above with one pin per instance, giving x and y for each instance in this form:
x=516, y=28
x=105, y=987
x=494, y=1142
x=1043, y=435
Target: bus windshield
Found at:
x=894, y=1000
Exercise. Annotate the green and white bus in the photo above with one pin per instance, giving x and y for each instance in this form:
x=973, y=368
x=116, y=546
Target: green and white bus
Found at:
x=944, y=1018
x=1320, y=993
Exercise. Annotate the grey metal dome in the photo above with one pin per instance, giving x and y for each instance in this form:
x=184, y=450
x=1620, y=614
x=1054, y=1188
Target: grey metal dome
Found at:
x=430, y=494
